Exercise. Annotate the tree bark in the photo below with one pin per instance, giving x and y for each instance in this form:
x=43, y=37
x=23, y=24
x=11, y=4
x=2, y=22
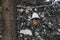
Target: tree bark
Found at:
x=9, y=20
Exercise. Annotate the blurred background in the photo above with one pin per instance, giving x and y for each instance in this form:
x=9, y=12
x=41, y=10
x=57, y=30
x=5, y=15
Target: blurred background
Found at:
x=0, y=18
x=49, y=12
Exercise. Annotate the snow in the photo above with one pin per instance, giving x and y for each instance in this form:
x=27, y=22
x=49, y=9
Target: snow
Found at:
x=26, y=32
